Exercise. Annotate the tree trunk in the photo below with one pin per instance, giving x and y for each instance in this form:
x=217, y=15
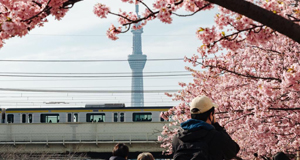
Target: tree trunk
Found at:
x=268, y=18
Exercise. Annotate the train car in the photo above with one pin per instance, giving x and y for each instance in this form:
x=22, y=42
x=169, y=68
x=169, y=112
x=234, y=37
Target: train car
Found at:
x=1, y=120
x=91, y=113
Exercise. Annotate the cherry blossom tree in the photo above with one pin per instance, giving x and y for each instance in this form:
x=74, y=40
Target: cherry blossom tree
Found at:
x=18, y=17
x=249, y=66
x=248, y=62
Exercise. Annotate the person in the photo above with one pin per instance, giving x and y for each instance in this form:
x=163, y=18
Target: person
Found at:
x=280, y=156
x=120, y=152
x=204, y=132
x=145, y=156
x=255, y=156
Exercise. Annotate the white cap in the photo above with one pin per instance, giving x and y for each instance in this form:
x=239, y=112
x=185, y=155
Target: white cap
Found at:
x=203, y=103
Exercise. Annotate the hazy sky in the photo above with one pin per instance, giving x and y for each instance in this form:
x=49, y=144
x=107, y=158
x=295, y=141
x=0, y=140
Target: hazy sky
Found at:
x=80, y=35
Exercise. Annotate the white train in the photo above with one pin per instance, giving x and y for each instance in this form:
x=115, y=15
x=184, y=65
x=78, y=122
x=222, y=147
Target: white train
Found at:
x=97, y=113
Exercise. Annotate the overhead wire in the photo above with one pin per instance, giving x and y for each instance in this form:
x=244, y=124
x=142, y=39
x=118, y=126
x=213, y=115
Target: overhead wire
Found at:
x=40, y=76
x=99, y=60
x=86, y=91
x=89, y=72
x=95, y=60
x=90, y=79
x=87, y=99
x=103, y=35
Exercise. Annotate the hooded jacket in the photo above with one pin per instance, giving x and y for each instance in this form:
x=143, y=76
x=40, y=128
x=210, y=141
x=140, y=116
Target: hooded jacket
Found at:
x=220, y=144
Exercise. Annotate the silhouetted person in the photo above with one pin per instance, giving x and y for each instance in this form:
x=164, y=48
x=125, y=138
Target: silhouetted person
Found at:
x=280, y=156
x=50, y=121
x=120, y=152
x=255, y=156
x=236, y=158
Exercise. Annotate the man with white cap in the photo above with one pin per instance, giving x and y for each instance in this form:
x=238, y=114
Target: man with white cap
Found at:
x=202, y=137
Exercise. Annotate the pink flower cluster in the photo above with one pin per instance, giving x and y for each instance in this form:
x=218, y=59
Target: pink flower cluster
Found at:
x=101, y=10
x=17, y=18
x=125, y=18
x=112, y=32
x=165, y=15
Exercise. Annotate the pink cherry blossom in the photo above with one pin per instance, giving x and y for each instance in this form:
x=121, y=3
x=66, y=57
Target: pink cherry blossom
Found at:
x=101, y=10
x=250, y=70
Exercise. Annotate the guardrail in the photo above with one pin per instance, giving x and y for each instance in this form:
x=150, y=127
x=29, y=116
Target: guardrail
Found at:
x=27, y=138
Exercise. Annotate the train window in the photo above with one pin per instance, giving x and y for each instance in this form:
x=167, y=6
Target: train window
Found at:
x=95, y=117
x=49, y=118
x=169, y=119
x=23, y=118
x=10, y=118
x=121, y=117
x=3, y=117
x=115, y=117
x=137, y=117
x=69, y=117
x=75, y=117
x=30, y=118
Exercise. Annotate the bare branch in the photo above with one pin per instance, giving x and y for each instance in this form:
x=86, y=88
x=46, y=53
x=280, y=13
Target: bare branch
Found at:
x=145, y=5
x=285, y=109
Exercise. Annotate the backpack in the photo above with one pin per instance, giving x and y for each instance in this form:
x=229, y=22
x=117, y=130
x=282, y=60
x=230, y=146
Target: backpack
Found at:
x=197, y=150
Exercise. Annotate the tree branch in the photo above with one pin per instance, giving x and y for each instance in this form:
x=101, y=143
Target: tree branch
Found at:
x=145, y=5
x=285, y=109
x=240, y=74
x=179, y=15
x=44, y=10
x=268, y=18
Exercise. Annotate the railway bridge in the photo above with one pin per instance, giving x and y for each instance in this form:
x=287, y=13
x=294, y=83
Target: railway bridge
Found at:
x=95, y=139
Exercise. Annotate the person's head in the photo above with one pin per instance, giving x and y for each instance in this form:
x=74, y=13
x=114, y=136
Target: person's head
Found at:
x=280, y=156
x=145, y=156
x=120, y=150
x=202, y=108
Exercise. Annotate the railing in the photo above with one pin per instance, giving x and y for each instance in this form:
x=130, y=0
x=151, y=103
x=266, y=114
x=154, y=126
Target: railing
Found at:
x=27, y=138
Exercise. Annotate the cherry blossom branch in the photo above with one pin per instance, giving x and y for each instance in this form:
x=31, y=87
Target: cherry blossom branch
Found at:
x=44, y=10
x=233, y=36
x=128, y=28
x=70, y=2
x=240, y=74
x=285, y=109
x=134, y=21
x=145, y=5
x=187, y=15
x=39, y=4
x=266, y=17
x=245, y=115
x=47, y=8
x=292, y=18
x=268, y=50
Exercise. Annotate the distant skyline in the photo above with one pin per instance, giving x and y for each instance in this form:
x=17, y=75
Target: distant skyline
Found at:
x=80, y=35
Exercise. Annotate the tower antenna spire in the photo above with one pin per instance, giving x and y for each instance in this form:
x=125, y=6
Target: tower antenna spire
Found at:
x=137, y=10
x=137, y=61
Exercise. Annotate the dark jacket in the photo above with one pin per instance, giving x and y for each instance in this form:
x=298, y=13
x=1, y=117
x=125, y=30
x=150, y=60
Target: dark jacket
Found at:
x=116, y=158
x=220, y=144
